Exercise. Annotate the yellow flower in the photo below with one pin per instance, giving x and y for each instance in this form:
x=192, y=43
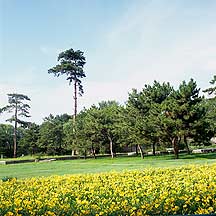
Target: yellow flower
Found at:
x=154, y=191
x=197, y=199
x=9, y=214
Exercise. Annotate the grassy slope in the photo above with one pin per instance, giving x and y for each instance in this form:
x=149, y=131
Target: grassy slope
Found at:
x=100, y=165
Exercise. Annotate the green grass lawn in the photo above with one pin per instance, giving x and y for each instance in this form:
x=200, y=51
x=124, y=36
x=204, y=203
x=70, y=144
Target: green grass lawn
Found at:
x=27, y=170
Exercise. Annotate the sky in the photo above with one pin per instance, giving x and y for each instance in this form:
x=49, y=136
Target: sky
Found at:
x=127, y=44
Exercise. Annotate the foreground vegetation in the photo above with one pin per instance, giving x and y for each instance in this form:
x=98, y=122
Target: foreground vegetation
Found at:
x=81, y=166
x=188, y=189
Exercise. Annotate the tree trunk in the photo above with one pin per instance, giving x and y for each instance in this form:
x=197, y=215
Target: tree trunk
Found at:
x=153, y=149
x=15, y=133
x=175, y=147
x=73, y=152
x=136, y=146
x=111, y=146
x=93, y=152
x=141, y=151
x=186, y=144
x=75, y=99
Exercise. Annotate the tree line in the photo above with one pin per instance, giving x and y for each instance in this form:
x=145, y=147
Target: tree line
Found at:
x=156, y=118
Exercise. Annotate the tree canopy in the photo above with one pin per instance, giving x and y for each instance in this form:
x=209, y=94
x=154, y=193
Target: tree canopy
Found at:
x=157, y=118
x=71, y=64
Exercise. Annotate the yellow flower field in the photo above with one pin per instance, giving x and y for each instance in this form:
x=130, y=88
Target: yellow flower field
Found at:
x=183, y=190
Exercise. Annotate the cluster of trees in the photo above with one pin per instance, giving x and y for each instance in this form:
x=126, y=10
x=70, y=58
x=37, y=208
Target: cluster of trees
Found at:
x=157, y=117
x=71, y=64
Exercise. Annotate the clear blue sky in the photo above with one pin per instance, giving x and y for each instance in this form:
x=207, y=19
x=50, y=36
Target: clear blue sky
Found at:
x=126, y=43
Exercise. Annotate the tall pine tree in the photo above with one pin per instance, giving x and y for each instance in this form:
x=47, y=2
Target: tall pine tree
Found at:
x=18, y=106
